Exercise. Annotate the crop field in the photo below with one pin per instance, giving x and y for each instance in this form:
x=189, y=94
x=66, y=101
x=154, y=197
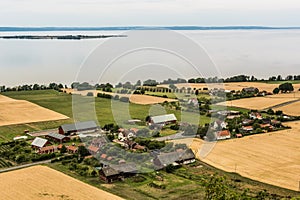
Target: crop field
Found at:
x=234, y=86
x=134, y=98
x=62, y=103
x=21, y=111
x=257, y=103
x=41, y=182
x=291, y=109
x=271, y=158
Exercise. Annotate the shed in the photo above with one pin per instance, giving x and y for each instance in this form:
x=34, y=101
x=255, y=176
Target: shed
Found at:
x=163, y=119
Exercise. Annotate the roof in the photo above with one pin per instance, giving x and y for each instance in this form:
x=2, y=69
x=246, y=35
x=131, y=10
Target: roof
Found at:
x=48, y=148
x=39, y=142
x=79, y=126
x=56, y=136
x=121, y=168
x=223, y=133
x=93, y=148
x=169, y=158
x=163, y=118
x=72, y=148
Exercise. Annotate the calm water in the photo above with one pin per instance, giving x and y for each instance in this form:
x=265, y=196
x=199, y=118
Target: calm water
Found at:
x=259, y=52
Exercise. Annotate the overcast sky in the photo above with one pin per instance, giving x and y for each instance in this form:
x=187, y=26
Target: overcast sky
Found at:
x=149, y=12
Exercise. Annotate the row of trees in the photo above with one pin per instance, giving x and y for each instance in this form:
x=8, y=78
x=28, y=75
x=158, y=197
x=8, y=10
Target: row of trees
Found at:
x=26, y=87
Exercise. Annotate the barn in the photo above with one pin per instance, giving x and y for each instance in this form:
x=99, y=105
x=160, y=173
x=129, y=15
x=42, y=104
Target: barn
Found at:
x=163, y=119
x=69, y=129
x=59, y=138
x=117, y=172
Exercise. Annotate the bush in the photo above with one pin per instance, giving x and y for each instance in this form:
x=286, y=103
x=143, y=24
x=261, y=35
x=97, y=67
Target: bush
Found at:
x=90, y=94
x=124, y=99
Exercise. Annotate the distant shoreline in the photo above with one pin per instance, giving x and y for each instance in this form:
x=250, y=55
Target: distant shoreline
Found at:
x=126, y=28
x=59, y=37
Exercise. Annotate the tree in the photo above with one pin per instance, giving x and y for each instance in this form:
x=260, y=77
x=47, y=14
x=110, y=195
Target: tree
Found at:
x=276, y=91
x=172, y=86
x=279, y=78
x=286, y=87
x=63, y=149
x=94, y=173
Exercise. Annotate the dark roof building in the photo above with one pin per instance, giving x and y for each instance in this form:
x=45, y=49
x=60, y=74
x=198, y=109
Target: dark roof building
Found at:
x=174, y=158
x=58, y=137
x=88, y=126
x=117, y=172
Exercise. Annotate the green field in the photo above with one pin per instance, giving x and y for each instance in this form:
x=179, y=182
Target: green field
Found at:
x=62, y=103
x=280, y=82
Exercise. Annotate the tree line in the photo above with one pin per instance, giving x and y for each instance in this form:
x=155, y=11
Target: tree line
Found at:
x=26, y=87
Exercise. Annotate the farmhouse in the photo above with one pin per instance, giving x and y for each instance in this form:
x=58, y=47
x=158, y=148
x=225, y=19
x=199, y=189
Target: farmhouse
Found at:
x=255, y=115
x=38, y=143
x=125, y=134
x=58, y=137
x=48, y=149
x=163, y=119
x=93, y=150
x=223, y=135
x=174, y=158
x=117, y=172
x=68, y=129
x=247, y=129
x=72, y=149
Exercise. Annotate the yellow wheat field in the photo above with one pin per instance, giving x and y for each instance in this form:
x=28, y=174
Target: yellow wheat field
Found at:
x=272, y=158
x=41, y=182
x=20, y=111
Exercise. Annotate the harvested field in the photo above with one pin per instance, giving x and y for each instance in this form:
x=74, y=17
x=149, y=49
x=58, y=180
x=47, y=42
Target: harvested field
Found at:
x=134, y=98
x=257, y=103
x=271, y=158
x=291, y=109
x=41, y=182
x=232, y=86
x=21, y=111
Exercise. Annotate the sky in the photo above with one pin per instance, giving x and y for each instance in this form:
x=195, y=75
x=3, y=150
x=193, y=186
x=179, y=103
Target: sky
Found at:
x=149, y=12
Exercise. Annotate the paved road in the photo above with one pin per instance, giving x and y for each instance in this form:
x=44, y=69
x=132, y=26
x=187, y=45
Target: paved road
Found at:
x=175, y=136
x=23, y=166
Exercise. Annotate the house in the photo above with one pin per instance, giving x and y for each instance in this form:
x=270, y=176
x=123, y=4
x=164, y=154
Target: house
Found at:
x=223, y=135
x=219, y=124
x=247, y=122
x=117, y=172
x=163, y=119
x=247, y=128
x=72, y=149
x=125, y=134
x=47, y=149
x=255, y=115
x=266, y=126
x=38, y=143
x=174, y=158
x=93, y=149
x=58, y=137
x=239, y=135
x=250, y=90
x=68, y=129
